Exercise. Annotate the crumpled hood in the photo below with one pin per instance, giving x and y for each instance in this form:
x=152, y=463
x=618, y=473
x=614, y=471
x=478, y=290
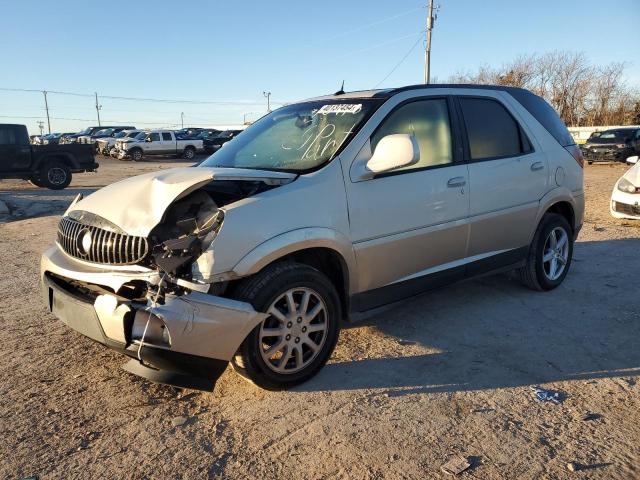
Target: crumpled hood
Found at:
x=137, y=204
x=633, y=174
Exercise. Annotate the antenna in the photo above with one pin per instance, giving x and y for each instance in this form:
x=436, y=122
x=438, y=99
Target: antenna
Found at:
x=341, y=91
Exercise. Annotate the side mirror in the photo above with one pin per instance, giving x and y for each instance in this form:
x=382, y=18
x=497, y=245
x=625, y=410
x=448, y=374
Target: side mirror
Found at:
x=147, y=139
x=394, y=151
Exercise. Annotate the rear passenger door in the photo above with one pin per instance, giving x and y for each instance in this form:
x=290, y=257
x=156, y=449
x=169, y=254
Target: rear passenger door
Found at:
x=168, y=143
x=507, y=176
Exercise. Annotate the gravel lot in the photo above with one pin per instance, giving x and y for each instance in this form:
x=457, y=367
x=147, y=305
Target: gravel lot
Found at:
x=409, y=386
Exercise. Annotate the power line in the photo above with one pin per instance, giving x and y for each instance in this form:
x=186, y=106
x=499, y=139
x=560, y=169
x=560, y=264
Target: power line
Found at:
x=401, y=61
x=141, y=99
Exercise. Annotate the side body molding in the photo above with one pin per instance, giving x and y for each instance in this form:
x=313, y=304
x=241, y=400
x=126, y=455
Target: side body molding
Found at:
x=294, y=241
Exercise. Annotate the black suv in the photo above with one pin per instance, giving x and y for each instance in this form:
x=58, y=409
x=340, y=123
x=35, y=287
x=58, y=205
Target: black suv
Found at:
x=614, y=145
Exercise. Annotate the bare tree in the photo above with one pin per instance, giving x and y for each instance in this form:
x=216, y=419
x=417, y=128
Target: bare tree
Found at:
x=581, y=93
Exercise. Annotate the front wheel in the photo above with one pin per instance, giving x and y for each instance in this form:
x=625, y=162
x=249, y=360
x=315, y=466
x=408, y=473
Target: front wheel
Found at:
x=296, y=339
x=550, y=254
x=136, y=155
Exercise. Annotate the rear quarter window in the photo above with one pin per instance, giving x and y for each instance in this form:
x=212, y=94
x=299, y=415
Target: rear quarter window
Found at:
x=545, y=114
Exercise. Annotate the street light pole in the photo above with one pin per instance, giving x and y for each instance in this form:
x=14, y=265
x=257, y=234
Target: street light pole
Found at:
x=182, y=119
x=46, y=107
x=267, y=95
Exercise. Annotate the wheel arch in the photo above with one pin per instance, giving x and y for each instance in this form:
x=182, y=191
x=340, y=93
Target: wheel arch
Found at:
x=59, y=157
x=321, y=248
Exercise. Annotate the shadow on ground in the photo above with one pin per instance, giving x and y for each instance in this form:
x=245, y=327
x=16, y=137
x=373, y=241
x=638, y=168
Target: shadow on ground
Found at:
x=493, y=333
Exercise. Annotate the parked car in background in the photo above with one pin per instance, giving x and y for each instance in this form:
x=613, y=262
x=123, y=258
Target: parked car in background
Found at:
x=120, y=143
x=187, y=132
x=214, y=143
x=613, y=145
x=49, y=166
x=73, y=138
x=104, y=133
x=104, y=145
x=625, y=198
x=160, y=142
x=53, y=138
x=324, y=207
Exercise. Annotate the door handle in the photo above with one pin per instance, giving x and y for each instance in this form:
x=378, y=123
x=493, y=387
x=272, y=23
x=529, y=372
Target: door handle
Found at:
x=537, y=166
x=456, y=182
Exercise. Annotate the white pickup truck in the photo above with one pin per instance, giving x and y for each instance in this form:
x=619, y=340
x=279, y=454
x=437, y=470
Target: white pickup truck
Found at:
x=159, y=142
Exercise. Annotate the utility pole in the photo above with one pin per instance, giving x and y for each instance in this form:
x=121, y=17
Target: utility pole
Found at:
x=46, y=107
x=182, y=119
x=98, y=107
x=267, y=96
x=427, y=51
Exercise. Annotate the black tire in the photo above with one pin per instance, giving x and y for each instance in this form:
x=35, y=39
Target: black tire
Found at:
x=261, y=290
x=36, y=181
x=533, y=275
x=55, y=175
x=590, y=163
x=189, y=153
x=136, y=154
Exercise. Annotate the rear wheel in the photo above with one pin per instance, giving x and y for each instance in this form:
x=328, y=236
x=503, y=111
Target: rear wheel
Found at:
x=550, y=254
x=296, y=339
x=55, y=176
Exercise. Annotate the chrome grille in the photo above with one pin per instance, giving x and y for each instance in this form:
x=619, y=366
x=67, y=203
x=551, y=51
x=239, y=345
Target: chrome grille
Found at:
x=105, y=246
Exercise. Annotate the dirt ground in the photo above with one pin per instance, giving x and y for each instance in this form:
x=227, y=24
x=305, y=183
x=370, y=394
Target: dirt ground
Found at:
x=449, y=372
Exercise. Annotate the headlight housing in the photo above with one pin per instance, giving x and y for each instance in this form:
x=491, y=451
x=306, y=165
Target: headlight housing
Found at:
x=626, y=186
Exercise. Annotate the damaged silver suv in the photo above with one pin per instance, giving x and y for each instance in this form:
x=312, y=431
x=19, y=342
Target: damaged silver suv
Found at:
x=322, y=208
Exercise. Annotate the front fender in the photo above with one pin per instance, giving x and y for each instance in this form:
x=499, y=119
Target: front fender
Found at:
x=294, y=241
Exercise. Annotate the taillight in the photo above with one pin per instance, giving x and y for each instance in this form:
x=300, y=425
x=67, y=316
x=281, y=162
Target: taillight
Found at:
x=576, y=153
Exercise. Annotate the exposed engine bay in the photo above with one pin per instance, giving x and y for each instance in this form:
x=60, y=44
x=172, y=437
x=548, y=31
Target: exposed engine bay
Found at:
x=191, y=223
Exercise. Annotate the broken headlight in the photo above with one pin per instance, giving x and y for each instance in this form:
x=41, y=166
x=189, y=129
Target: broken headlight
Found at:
x=188, y=228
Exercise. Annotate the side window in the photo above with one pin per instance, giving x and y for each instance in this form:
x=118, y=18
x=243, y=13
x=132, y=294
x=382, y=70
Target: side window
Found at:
x=155, y=137
x=428, y=120
x=166, y=136
x=8, y=136
x=491, y=130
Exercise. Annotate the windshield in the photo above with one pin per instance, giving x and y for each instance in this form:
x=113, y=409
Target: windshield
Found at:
x=104, y=132
x=120, y=134
x=86, y=131
x=296, y=137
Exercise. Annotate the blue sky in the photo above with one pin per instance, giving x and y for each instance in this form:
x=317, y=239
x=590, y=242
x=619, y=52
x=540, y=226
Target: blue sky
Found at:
x=232, y=51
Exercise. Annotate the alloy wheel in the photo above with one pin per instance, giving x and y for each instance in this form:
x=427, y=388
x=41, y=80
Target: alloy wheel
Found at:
x=57, y=176
x=295, y=331
x=555, y=254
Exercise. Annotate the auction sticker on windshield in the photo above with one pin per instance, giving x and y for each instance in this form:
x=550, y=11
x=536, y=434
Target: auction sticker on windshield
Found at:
x=341, y=108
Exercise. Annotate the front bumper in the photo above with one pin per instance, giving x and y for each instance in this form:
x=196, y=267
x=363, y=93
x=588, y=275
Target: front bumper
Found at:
x=204, y=331
x=596, y=155
x=624, y=205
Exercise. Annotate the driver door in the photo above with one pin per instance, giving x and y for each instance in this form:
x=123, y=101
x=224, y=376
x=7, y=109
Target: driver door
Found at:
x=410, y=226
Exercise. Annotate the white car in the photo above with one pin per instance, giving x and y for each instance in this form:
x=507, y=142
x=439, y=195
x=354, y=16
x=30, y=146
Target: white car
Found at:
x=160, y=142
x=625, y=198
x=105, y=145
